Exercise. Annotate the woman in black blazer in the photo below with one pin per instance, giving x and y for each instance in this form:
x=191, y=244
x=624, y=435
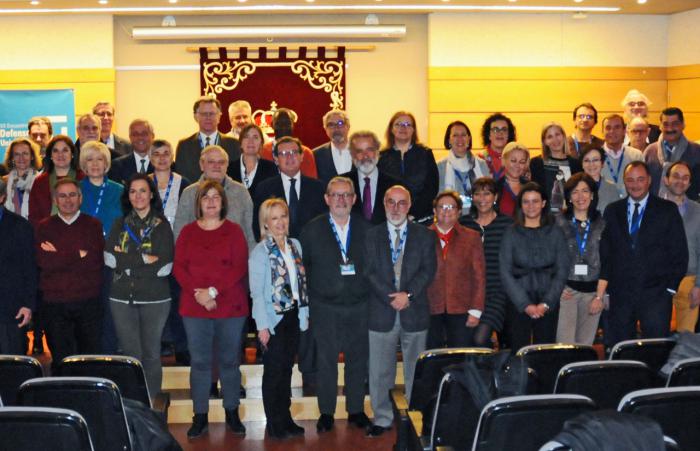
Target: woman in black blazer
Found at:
x=250, y=169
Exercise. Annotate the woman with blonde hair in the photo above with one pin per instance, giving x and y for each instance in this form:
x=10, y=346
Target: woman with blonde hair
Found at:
x=515, y=159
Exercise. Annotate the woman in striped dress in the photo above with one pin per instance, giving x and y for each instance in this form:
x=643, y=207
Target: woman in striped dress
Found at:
x=485, y=219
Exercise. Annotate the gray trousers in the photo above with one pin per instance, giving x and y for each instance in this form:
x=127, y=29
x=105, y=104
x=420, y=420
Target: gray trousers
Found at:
x=575, y=324
x=382, y=367
x=139, y=328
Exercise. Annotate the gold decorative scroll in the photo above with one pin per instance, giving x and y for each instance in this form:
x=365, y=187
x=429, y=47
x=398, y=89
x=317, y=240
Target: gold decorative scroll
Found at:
x=220, y=76
x=326, y=75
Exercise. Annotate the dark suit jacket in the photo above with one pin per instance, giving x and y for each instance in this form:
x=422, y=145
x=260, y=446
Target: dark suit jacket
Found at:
x=311, y=201
x=657, y=262
x=18, y=277
x=266, y=169
x=190, y=148
x=384, y=182
x=123, y=168
x=122, y=146
x=324, y=163
x=417, y=272
x=322, y=259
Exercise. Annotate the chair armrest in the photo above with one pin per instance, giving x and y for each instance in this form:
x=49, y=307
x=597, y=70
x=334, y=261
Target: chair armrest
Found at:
x=444, y=448
x=161, y=403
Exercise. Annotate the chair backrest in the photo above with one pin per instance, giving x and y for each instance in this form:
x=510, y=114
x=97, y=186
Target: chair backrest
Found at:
x=455, y=417
x=97, y=400
x=14, y=370
x=684, y=373
x=429, y=372
x=676, y=409
x=526, y=423
x=43, y=428
x=126, y=372
x=652, y=351
x=548, y=359
x=605, y=382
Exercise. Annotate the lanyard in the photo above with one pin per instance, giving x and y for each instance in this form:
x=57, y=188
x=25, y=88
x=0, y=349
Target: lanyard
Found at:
x=395, y=253
x=616, y=175
x=634, y=226
x=167, y=190
x=466, y=188
x=133, y=236
x=99, y=198
x=581, y=242
x=343, y=247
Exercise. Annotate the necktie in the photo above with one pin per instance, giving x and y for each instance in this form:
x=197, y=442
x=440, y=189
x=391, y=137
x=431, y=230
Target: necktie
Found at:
x=293, y=202
x=635, y=218
x=142, y=169
x=207, y=142
x=367, y=200
x=399, y=259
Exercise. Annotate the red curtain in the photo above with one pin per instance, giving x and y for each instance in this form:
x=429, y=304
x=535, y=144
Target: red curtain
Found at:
x=308, y=86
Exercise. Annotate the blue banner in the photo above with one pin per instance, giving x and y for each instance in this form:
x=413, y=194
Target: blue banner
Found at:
x=17, y=107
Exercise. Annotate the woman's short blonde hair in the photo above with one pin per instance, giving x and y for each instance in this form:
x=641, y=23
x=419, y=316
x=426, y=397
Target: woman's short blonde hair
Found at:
x=264, y=213
x=95, y=146
x=512, y=147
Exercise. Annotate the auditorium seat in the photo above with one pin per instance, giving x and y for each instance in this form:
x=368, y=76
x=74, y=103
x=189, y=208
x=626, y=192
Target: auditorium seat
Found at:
x=605, y=382
x=652, y=351
x=96, y=399
x=42, y=429
x=548, y=359
x=685, y=372
x=14, y=370
x=525, y=423
x=676, y=409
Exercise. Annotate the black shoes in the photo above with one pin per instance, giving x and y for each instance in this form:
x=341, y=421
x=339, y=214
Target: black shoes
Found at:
x=376, y=431
x=276, y=433
x=359, y=420
x=233, y=421
x=200, y=425
x=325, y=423
x=293, y=429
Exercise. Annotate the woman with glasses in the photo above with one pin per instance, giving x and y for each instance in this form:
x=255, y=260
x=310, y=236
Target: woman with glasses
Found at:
x=592, y=160
x=497, y=131
x=456, y=295
x=515, y=165
x=250, y=168
x=22, y=160
x=406, y=159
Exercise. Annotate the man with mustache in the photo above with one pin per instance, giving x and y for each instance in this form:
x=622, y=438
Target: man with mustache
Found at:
x=672, y=146
x=333, y=157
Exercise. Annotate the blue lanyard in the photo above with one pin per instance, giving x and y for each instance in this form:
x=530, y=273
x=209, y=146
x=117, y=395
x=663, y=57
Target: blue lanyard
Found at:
x=395, y=253
x=581, y=242
x=99, y=197
x=133, y=236
x=616, y=175
x=343, y=248
x=167, y=190
x=634, y=226
x=466, y=185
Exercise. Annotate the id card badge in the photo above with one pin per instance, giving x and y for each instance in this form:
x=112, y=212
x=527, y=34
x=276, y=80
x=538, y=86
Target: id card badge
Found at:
x=347, y=269
x=580, y=269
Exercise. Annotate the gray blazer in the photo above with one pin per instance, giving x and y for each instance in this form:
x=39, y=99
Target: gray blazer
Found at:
x=240, y=208
x=417, y=272
x=607, y=194
x=691, y=224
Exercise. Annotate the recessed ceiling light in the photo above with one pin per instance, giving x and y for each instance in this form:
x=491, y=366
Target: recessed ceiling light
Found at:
x=445, y=1
x=172, y=1
x=641, y=2
x=578, y=1
x=242, y=1
x=512, y=1
x=102, y=2
x=34, y=2
x=310, y=1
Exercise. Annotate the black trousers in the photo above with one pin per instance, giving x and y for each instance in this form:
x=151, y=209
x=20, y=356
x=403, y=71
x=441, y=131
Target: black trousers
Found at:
x=652, y=309
x=12, y=339
x=525, y=330
x=278, y=361
x=73, y=328
x=447, y=330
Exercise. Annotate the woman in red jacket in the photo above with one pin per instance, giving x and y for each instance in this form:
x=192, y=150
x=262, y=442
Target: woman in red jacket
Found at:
x=211, y=265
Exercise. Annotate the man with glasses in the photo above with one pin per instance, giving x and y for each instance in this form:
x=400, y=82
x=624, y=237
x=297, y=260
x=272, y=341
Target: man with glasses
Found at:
x=585, y=118
x=617, y=154
x=400, y=264
x=69, y=249
x=636, y=104
x=40, y=132
x=333, y=157
x=334, y=261
x=638, y=133
x=207, y=114
x=118, y=146
x=673, y=146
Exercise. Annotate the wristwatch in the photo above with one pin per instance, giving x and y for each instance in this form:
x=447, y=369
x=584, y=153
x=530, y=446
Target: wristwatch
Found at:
x=409, y=295
x=546, y=307
x=213, y=292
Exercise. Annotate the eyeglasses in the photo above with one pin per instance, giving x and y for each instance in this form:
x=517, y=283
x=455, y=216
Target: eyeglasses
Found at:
x=446, y=207
x=71, y=195
x=392, y=203
x=634, y=104
x=403, y=125
x=208, y=114
x=499, y=129
x=104, y=114
x=585, y=117
x=338, y=124
x=287, y=154
x=346, y=196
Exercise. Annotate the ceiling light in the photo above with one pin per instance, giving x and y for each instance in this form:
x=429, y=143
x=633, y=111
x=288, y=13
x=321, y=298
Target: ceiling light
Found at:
x=172, y=2
x=102, y=2
x=265, y=32
x=242, y=1
x=641, y=2
x=34, y=2
x=578, y=1
x=310, y=1
x=512, y=1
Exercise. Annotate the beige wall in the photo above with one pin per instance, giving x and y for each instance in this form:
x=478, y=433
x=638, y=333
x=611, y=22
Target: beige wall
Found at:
x=683, y=38
x=379, y=82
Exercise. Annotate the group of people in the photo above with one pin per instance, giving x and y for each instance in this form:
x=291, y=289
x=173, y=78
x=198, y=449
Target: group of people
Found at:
x=347, y=248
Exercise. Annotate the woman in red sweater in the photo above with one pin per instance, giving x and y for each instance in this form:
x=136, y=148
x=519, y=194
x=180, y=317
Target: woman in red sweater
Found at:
x=211, y=265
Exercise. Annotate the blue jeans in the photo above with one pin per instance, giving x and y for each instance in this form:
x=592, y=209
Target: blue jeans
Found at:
x=201, y=334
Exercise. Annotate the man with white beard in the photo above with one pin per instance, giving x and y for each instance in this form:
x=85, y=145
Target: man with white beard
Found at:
x=370, y=183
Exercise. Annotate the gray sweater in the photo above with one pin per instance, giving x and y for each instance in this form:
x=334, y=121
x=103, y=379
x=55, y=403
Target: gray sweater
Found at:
x=691, y=224
x=591, y=256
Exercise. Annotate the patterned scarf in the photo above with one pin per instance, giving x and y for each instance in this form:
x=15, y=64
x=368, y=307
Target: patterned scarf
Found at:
x=282, y=296
x=141, y=230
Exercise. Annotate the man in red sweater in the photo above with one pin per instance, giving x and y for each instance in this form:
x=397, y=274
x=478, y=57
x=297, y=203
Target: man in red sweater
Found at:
x=69, y=253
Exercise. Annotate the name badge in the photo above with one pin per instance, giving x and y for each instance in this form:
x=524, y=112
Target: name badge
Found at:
x=580, y=270
x=347, y=270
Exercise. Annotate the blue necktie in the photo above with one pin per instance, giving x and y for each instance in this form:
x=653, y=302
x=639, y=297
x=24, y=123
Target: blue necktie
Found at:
x=634, y=228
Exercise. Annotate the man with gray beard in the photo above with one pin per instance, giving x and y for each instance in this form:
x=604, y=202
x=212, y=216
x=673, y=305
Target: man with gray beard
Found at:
x=370, y=183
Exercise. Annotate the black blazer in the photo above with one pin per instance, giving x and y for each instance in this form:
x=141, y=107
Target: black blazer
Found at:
x=384, y=182
x=311, y=201
x=123, y=168
x=658, y=261
x=266, y=169
x=417, y=272
x=324, y=163
x=18, y=278
x=190, y=148
x=122, y=146
x=322, y=259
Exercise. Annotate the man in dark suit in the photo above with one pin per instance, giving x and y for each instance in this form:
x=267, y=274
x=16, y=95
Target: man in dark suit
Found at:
x=333, y=257
x=644, y=256
x=334, y=157
x=117, y=145
x=400, y=264
x=305, y=200
x=141, y=136
x=370, y=182
x=89, y=128
x=207, y=113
